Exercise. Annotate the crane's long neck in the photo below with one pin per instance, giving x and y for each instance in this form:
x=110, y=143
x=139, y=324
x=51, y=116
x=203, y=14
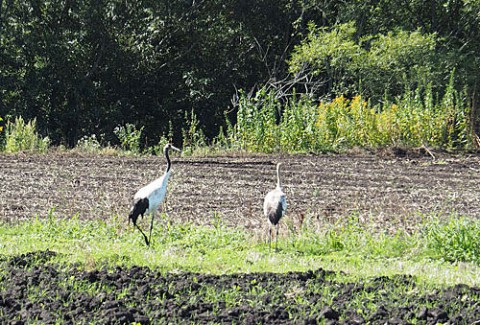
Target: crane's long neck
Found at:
x=169, y=164
x=278, y=175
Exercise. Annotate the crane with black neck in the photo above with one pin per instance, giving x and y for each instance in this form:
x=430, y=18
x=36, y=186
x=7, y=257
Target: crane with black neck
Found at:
x=150, y=197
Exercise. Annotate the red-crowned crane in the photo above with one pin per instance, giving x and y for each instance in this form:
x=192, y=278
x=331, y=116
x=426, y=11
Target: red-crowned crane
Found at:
x=149, y=197
x=274, y=206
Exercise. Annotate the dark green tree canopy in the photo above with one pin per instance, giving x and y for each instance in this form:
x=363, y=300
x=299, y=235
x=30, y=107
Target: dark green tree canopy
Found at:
x=85, y=67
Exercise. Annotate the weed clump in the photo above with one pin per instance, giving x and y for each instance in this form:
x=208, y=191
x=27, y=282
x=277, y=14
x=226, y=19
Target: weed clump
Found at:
x=23, y=136
x=301, y=124
x=455, y=240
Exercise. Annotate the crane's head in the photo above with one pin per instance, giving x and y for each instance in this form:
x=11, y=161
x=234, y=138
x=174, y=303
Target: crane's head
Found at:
x=169, y=146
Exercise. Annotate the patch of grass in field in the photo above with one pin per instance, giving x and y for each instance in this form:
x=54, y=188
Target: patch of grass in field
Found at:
x=443, y=254
x=454, y=240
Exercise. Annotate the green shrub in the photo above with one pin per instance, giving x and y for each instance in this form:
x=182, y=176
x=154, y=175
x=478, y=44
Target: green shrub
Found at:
x=256, y=128
x=342, y=63
x=21, y=136
x=89, y=144
x=129, y=137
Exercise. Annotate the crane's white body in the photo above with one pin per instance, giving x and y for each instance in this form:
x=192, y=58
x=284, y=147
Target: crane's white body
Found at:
x=155, y=192
x=275, y=206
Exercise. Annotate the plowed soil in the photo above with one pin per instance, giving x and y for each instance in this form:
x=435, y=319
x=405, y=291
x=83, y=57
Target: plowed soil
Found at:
x=55, y=295
x=391, y=189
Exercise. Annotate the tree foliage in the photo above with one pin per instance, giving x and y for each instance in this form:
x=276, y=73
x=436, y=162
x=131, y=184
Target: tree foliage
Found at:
x=373, y=65
x=84, y=67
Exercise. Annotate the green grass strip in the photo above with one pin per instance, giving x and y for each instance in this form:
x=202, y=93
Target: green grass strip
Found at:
x=443, y=253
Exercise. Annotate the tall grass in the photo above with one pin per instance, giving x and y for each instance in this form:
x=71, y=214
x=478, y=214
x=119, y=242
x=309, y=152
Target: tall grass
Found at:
x=89, y=144
x=304, y=125
x=194, y=139
x=23, y=136
x=2, y=134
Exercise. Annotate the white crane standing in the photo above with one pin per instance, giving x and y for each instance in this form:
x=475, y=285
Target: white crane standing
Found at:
x=274, y=206
x=149, y=197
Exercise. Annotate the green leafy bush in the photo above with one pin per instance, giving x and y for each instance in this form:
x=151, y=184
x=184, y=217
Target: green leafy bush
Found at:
x=21, y=136
x=129, y=137
x=89, y=144
x=193, y=137
x=342, y=63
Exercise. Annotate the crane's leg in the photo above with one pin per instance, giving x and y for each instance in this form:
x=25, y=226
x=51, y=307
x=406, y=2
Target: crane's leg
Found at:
x=276, y=238
x=144, y=236
x=151, y=227
x=270, y=236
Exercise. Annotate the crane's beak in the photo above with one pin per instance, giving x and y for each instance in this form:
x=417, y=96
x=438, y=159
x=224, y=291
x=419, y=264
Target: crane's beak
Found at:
x=175, y=148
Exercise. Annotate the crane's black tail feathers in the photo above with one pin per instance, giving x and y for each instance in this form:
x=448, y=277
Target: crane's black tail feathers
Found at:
x=139, y=207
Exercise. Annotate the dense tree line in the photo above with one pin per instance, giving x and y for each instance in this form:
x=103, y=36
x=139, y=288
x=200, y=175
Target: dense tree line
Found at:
x=85, y=67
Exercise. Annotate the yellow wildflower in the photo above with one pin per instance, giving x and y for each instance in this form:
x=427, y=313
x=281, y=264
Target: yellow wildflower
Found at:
x=339, y=100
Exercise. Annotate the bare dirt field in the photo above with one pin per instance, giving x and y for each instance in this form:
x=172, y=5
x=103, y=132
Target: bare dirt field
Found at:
x=391, y=189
